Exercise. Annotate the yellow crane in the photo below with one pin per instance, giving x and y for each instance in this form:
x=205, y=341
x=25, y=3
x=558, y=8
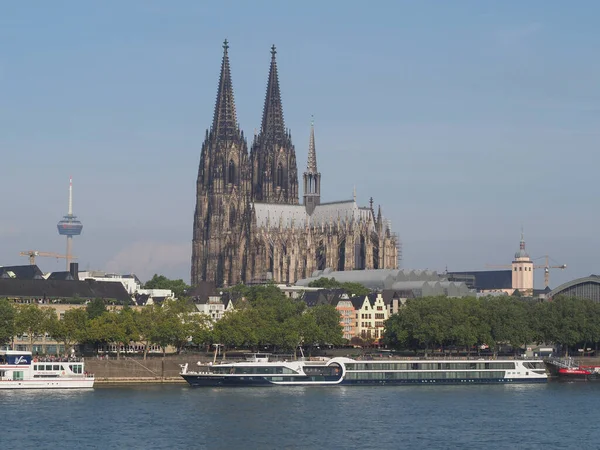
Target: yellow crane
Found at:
x=34, y=253
x=545, y=266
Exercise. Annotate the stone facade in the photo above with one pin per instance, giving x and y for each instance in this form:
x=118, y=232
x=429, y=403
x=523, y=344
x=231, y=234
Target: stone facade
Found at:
x=248, y=224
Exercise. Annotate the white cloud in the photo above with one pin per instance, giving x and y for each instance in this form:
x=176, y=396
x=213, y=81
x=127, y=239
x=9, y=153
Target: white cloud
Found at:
x=147, y=258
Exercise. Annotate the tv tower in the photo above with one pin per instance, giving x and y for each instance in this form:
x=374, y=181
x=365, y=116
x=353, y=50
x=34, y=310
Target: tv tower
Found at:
x=69, y=226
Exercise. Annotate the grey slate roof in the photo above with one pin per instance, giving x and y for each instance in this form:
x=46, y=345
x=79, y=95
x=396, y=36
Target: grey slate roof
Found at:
x=272, y=214
x=63, y=289
x=28, y=272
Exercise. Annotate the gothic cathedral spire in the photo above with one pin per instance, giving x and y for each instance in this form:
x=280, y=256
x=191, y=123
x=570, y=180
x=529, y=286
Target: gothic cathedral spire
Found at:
x=312, y=177
x=273, y=158
x=223, y=190
x=273, y=125
x=225, y=125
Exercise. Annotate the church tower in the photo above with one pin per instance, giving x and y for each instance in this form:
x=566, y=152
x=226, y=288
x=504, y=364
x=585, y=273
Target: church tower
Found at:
x=522, y=270
x=222, y=193
x=273, y=158
x=312, y=177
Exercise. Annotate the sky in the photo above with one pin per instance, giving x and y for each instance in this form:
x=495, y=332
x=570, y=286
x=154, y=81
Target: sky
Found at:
x=464, y=120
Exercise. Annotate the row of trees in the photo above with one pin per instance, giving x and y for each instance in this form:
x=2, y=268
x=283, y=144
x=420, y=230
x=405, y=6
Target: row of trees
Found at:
x=440, y=322
x=168, y=325
x=266, y=317
x=269, y=318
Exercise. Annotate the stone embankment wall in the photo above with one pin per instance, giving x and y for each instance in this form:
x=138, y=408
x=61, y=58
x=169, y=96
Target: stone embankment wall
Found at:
x=138, y=370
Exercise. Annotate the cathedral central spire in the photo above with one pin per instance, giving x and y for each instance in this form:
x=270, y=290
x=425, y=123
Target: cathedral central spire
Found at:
x=311, y=166
x=312, y=177
x=273, y=125
x=225, y=124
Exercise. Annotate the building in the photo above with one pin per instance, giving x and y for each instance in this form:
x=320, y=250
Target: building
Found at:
x=130, y=282
x=410, y=283
x=214, y=306
x=587, y=288
x=248, y=224
x=517, y=277
x=25, y=286
x=370, y=314
x=522, y=271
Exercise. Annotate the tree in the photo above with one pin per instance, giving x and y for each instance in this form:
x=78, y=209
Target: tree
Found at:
x=178, y=287
x=352, y=289
x=235, y=329
x=327, y=322
x=71, y=329
x=95, y=308
x=32, y=320
x=146, y=320
x=7, y=321
x=116, y=327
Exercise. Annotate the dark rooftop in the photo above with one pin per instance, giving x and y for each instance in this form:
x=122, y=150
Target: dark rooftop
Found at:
x=28, y=272
x=484, y=280
x=63, y=289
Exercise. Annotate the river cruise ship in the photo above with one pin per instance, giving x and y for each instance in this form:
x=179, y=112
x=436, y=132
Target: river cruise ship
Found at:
x=261, y=370
x=20, y=370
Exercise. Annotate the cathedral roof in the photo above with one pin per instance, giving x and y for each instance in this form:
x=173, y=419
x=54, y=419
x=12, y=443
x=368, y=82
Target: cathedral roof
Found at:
x=344, y=210
x=276, y=213
x=296, y=216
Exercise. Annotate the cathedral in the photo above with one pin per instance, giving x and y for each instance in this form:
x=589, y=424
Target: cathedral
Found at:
x=248, y=224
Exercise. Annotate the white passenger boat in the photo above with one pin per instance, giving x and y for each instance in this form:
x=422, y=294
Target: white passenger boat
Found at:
x=261, y=370
x=19, y=370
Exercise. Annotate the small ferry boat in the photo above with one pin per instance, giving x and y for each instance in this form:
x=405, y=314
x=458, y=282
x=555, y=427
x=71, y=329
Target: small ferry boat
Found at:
x=19, y=370
x=566, y=369
x=260, y=370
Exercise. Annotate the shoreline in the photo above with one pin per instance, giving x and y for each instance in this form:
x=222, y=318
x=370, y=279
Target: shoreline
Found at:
x=126, y=381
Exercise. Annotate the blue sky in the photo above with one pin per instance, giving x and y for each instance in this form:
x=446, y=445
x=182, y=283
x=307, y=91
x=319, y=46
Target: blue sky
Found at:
x=464, y=120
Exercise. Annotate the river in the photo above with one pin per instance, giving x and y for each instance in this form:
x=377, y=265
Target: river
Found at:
x=553, y=415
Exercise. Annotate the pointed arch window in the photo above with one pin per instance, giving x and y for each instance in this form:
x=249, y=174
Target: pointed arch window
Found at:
x=279, y=175
x=232, y=217
x=231, y=172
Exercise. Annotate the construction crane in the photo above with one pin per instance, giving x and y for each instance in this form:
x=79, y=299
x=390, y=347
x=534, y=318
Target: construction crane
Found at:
x=33, y=253
x=545, y=266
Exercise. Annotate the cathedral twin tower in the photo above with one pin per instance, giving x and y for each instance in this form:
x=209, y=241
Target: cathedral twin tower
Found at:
x=248, y=225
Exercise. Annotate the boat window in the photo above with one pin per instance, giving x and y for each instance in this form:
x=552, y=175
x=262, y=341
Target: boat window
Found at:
x=534, y=365
x=48, y=367
x=55, y=367
x=2, y=373
x=17, y=375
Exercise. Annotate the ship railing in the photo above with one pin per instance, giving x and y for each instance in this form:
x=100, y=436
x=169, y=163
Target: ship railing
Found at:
x=564, y=363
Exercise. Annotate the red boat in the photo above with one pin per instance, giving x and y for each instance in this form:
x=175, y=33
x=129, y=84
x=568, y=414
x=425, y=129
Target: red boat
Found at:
x=568, y=370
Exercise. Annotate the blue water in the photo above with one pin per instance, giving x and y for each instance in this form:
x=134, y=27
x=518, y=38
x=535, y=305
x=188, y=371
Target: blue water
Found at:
x=554, y=415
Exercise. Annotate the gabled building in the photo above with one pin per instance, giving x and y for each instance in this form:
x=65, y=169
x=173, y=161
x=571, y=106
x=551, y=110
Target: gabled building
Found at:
x=370, y=314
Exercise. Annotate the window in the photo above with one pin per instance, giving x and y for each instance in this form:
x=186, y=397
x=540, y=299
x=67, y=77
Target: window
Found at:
x=18, y=375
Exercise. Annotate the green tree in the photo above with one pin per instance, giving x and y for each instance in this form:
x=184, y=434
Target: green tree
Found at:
x=145, y=321
x=351, y=288
x=114, y=327
x=236, y=329
x=32, y=320
x=179, y=287
x=327, y=322
x=95, y=308
x=7, y=321
x=71, y=329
